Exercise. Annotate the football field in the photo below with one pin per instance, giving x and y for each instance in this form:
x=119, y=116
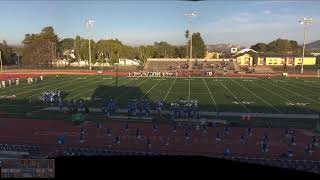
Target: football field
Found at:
x=275, y=95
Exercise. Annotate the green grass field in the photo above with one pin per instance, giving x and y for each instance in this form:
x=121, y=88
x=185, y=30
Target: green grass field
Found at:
x=275, y=95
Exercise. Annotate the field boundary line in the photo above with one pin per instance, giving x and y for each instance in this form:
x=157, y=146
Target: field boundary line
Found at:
x=256, y=95
x=272, y=92
x=214, y=102
x=66, y=85
x=94, y=88
x=293, y=92
x=308, y=84
x=137, y=85
x=150, y=89
x=27, y=86
x=245, y=107
x=20, y=90
x=298, y=87
x=36, y=89
x=189, y=91
x=169, y=89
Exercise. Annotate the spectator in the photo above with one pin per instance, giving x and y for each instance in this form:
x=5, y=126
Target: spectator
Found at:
x=218, y=137
x=290, y=151
x=117, y=140
x=292, y=140
x=174, y=129
x=108, y=131
x=226, y=130
x=314, y=141
x=126, y=128
x=307, y=149
x=249, y=131
x=242, y=139
x=226, y=152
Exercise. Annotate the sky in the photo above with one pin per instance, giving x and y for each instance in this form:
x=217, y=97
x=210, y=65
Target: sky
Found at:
x=145, y=22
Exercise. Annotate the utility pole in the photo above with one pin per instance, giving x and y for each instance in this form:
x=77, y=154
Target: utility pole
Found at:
x=189, y=17
x=305, y=21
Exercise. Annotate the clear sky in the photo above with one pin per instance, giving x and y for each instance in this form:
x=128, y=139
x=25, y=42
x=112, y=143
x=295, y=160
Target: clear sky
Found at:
x=144, y=22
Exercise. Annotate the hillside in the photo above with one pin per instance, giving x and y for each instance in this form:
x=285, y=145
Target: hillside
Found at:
x=313, y=46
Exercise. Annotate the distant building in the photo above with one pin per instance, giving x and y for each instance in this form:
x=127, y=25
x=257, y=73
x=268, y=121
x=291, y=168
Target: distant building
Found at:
x=129, y=62
x=244, y=59
x=234, y=50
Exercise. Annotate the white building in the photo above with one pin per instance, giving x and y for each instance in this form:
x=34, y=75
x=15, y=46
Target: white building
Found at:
x=129, y=62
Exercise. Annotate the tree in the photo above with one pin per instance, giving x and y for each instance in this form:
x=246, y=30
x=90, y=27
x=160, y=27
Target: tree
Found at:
x=199, y=48
x=40, y=48
x=65, y=47
x=261, y=47
x=6, y=52
x=146, y=52
x=164, y=50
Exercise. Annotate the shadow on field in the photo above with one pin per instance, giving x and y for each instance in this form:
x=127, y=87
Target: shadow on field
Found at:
x=122, y=94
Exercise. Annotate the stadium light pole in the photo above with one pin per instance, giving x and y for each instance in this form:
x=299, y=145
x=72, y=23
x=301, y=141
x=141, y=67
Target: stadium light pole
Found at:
x=306, y=22
x=189, y=17
x=0, y=61
x=89, y=25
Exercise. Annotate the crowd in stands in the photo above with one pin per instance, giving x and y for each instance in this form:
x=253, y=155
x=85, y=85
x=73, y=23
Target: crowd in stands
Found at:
x=19, y=148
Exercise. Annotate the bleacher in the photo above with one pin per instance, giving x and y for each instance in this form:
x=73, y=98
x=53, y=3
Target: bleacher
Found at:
x=220, y=65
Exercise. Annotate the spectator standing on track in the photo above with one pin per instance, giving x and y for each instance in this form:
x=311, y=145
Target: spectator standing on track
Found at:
x=226, y=152
x=242, y=139
x=218, y=137
x=174, y=130
x=109, y=132
x=249, y=131
x=290, y=151
x=126, y=128
x=226, y=130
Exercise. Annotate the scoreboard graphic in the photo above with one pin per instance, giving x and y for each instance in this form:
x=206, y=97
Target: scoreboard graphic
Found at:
x=27, y=168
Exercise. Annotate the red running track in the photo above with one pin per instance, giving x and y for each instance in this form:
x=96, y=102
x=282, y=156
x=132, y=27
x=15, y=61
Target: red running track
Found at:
x=45, y=133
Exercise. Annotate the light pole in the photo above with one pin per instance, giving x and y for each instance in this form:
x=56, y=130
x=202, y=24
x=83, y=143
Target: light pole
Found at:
x=189, y=17
x=89, y=25
x=0, y=61
x=305, y=21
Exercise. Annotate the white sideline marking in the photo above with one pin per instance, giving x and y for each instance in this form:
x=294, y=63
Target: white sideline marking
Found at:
x=257, y=96
x=150, y=89
x=214, y=102
x=245, y=107
x=169, y=90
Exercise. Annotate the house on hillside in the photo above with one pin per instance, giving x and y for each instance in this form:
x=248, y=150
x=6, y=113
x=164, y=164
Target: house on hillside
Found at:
x=244, y=59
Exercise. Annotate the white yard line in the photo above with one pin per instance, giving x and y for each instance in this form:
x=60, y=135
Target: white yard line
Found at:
x=169, y=90
x=234, y=96
x=91, y=89
x=67, y=84
x=214, y=102
x=12, y=89
x=189, y=92
x=150, y=89
x=133, y=86
x=307, y=84
x=273, y=84
x=256, y=96
x=272, y=92
x=55, y=84
x=296, y=87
